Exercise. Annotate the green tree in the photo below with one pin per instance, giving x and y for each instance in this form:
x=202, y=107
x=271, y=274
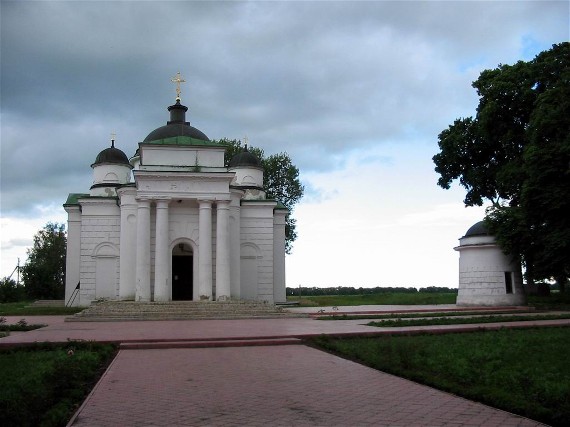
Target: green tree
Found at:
x=44, y=271
x=10, y=291
x=280, y=181
x=515, y=153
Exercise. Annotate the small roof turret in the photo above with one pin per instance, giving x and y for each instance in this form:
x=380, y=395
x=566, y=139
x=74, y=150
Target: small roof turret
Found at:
x=245, y=159
x=176, y=126
x=111, y=155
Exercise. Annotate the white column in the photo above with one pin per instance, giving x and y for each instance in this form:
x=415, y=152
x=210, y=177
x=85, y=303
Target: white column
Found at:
x=142, y=291
x=205, y=250
x=222, y=250
x=128, y=243
x=279, y=221
x=235, y=244
x=162, y=255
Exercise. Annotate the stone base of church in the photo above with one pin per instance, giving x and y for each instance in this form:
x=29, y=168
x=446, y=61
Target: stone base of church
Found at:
x=471, y=300
x=179, y=310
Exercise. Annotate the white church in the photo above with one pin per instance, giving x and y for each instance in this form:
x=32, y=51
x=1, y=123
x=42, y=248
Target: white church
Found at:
x=174, y=223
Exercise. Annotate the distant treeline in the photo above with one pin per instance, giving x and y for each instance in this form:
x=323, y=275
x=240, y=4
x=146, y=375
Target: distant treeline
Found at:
x=349, y=290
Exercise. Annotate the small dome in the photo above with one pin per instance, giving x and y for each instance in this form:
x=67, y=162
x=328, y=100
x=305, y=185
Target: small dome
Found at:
x=245, y=158
x=176, y=126
x=478, y=229
x=111, y=155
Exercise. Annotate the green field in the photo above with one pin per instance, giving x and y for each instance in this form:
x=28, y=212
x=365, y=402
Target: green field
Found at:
x=419, y=298
x=522, y=371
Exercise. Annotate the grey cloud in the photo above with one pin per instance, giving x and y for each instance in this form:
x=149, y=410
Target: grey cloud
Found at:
x=13, y=243
x=315, y=79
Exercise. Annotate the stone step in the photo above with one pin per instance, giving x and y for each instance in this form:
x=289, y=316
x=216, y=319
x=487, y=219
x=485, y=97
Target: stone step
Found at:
x=179, y=310
x=234, y=342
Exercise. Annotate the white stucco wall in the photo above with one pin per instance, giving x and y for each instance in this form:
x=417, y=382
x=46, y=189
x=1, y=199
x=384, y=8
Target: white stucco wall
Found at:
x=111, y=174
x=165, y=155
x=257, y=232
x=73, y=254
x=100, y=225
x=250, y=177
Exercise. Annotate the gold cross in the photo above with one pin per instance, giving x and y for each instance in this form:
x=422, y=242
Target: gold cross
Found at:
x=177, y=79
x=245, y=141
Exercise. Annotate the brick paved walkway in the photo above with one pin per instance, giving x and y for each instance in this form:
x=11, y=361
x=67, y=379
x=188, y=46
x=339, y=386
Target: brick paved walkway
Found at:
x=269, y=386
x=290, y=385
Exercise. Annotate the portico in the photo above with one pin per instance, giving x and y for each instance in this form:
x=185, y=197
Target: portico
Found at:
x=160, y=229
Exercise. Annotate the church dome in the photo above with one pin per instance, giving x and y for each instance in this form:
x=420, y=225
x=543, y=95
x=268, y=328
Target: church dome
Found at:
x=111, y=155
x=478, y=229
x=245, y=159
x=176, y=126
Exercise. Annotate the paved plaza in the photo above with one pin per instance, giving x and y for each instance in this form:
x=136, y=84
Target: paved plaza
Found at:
x=253, y=372
x=290, y=385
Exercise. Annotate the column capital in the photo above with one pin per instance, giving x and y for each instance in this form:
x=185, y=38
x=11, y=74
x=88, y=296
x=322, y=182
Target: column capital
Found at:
x=162, y=203
x=205, y=202
x=222, y=204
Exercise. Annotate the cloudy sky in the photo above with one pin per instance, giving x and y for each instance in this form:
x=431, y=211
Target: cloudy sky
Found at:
x=355, y=92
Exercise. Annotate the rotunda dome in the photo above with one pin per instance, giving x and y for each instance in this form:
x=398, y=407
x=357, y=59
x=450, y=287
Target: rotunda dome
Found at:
x=477, y=229
x=176, y=126
x=111, y=155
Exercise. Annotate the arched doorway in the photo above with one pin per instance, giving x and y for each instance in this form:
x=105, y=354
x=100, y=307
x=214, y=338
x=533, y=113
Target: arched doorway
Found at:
x=182, y=272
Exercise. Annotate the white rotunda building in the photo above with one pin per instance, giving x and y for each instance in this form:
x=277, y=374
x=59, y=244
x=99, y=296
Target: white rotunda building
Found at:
x=174, y=223
x=487, y=277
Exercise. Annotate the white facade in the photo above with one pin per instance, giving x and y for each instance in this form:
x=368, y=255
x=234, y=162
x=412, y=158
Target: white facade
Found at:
x=487, y=277
x=187, y=228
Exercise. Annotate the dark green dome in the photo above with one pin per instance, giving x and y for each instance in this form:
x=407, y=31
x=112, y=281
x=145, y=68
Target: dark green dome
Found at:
x=111, y=155
x=478, y=229
x=245, y=159
x=176, y=126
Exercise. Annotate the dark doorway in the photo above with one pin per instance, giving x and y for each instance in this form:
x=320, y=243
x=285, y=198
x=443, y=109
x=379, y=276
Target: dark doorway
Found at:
x=509, y=282
x=182, y=272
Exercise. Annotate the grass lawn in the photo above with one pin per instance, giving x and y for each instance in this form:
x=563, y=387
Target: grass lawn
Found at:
x=465, y=320
x=43, y=385
x=20, y=326
x=420, y=298
x=345, y=316
x=555, y=301
x=23, y=308
x=521, y=371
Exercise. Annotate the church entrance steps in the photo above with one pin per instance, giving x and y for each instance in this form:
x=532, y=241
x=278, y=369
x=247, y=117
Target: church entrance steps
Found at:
x=235, y=342
x=179, y=310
